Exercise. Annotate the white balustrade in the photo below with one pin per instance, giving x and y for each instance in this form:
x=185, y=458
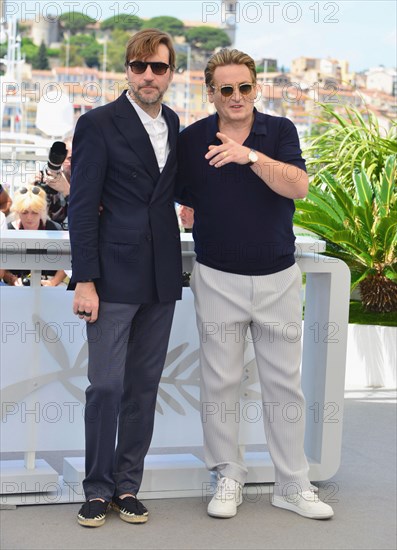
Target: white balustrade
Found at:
x=43, y=379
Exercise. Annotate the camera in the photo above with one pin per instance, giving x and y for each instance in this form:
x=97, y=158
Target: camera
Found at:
x=56, y=158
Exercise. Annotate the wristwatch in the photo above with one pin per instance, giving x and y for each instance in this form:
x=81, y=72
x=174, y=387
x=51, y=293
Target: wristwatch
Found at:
x=252, y=157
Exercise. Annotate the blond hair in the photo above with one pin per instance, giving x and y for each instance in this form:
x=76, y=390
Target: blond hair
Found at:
x=145, y=43
x=228, y=57
x=25, y=200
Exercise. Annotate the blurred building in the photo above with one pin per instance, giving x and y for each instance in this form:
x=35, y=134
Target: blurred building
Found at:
x=312, y=70
x=267, y=65
x=229, y=18
x=46, y=30
x=296, y=94
x=382, y=79
x=3, y=9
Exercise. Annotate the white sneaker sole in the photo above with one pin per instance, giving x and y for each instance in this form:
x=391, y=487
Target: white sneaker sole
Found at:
x=224, y=515
x=280, y=502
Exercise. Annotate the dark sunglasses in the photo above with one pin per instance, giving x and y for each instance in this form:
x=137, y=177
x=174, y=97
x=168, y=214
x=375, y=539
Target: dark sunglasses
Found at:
x=227, y=89
x=35, y=190
x=139, y=67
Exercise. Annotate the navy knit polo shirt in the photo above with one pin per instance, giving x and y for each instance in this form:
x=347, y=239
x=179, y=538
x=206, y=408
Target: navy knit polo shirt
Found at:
x=240, y=224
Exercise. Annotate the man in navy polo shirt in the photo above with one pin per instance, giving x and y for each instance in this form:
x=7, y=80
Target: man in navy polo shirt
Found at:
x=241, y=171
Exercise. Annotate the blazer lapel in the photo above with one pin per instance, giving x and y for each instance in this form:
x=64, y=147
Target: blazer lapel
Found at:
x=130, y=125
x=170, y=164
x=172, y=129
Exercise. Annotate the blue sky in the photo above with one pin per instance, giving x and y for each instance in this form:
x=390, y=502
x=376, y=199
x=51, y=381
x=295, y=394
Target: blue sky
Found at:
x=363, y=32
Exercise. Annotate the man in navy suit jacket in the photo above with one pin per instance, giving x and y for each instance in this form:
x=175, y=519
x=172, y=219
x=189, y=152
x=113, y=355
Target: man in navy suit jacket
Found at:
x=126, y=262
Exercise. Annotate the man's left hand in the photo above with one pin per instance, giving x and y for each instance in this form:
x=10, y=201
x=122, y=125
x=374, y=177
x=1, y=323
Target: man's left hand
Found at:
x=228, y=151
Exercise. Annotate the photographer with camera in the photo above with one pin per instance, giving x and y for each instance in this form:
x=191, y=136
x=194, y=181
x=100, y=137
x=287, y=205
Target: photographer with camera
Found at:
x=30, y=209
x=55, y=180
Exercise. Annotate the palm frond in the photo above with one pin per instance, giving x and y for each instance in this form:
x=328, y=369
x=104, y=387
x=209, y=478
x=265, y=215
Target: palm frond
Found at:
x=351, y=139
x=387, y=189
x=387, y=236
x=340, y=195
x=325, y=203
x=349, y=241
x=318, y=222
x=363, y=188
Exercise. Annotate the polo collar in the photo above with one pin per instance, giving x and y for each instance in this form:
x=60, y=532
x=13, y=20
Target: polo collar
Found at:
x=259, y=127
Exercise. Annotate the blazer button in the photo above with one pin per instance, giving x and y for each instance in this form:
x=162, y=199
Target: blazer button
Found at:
x=148, y=237
x=134, y=174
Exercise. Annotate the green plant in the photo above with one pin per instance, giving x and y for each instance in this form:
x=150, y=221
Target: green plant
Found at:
x=123, y=22
x=207, y=38
x=40, y=61
x=359, y=225
x=29, y=49
x=359, y=316
x=75, y=22
x=349, y=141
x=165, y=23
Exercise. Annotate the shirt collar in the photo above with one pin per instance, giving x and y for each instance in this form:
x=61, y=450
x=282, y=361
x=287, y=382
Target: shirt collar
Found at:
x=145, y=118
x=259, y=126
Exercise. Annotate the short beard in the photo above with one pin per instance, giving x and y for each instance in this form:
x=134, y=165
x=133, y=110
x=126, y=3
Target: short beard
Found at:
x=144, y=100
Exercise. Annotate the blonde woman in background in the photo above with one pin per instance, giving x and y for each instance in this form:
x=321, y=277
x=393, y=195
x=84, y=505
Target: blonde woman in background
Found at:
x=29, y=208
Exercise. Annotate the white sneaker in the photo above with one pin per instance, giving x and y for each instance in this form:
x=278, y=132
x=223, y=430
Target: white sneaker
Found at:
x=228, y=495
x=305, y=504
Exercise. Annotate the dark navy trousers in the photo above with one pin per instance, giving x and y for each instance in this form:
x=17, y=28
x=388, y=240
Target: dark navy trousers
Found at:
x=127, y=347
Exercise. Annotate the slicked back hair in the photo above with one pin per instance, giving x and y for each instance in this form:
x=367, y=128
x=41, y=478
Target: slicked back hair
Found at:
x=228, y=57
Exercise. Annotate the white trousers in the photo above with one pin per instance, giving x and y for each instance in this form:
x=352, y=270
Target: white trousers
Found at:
x=226, y=305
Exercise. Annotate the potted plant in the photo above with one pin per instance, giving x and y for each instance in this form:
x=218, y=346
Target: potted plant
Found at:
x=352, y=205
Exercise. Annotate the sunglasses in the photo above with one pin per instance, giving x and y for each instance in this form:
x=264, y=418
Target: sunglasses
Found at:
x=35, y=190
x=139, y=67
x=227, y=89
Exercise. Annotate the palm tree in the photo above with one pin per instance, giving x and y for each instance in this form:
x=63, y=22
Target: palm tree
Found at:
x=359, y=224
x=352, y=201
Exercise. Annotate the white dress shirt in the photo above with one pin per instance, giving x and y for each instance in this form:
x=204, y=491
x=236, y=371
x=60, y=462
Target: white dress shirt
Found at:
x=158, y=132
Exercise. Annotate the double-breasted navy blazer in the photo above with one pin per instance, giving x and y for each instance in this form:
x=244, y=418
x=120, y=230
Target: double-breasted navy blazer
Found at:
x=123, y=228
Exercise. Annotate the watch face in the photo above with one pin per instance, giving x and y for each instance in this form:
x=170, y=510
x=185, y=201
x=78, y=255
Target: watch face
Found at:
x=253, y=156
